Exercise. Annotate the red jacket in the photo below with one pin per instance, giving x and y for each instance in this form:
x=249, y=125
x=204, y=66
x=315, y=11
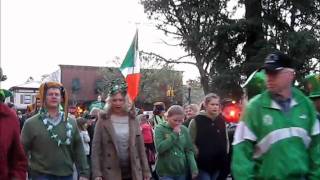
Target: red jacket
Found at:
x=13, y=162
x=146, y=130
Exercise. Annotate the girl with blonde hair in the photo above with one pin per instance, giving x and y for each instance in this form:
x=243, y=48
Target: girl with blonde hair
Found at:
x=118, y=151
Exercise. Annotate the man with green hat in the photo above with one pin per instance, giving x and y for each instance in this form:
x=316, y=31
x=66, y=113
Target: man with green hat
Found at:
x=13, y=162
x=312, y=86
x=255, y=84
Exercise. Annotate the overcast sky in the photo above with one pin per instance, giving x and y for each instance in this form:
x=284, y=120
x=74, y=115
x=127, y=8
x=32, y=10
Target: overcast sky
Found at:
x=37, y=35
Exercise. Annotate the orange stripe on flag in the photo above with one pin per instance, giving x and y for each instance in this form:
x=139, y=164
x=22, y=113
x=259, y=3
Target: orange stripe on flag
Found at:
x=133, y=81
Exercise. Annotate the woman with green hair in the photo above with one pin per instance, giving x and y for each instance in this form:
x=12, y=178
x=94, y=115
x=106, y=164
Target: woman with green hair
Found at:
x=118, y=151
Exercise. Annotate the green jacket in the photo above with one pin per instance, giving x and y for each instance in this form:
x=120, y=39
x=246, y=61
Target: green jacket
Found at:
x=175, y=155
x=157, y=119
x=45, y=156
x=272, y=145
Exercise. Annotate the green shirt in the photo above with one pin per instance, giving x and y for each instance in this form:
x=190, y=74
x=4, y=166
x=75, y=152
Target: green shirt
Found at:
x=45, y=156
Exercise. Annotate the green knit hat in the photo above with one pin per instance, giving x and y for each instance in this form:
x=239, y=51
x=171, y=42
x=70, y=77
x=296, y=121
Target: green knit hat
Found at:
x=312, y=85
x=4, y=94
x=256, y=83
x=2, y=76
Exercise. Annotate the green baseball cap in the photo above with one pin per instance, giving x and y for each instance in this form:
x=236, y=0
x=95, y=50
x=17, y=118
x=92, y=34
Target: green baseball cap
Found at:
x=312, y=85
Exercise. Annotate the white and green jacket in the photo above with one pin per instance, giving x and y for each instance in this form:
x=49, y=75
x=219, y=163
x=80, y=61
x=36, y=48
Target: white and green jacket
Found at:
x=272, y=145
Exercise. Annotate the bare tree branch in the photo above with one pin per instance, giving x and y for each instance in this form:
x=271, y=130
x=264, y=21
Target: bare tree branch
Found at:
x=170, y=61
x=166, y=43
x=166, y=31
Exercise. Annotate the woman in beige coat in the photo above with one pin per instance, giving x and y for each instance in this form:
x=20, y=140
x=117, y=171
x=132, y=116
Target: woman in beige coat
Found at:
x=118, y=151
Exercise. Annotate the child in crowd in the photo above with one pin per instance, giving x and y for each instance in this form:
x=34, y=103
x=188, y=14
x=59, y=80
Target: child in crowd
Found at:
x=174, y=147
x=82, y=125
x=147, y=133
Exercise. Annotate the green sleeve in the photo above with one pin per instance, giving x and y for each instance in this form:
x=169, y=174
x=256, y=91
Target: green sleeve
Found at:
x=164, y=142
x=26, y=136
x=80, y=157
x=242, y=164
x=314, y=152
x=314, y=149
x=190, y=155
x=193, y=133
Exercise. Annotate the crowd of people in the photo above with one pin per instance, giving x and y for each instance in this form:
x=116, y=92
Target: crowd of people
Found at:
x=277, y=138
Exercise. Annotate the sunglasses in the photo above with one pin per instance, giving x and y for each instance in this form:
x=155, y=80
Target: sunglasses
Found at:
x=282, y=71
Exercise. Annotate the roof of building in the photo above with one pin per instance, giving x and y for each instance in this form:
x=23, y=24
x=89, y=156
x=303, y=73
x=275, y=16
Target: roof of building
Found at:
x=27, y=85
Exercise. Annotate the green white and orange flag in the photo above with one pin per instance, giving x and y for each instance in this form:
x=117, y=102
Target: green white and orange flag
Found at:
x=130, y=69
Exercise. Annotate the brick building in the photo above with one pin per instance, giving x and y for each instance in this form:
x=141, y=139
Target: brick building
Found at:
x=81, y=82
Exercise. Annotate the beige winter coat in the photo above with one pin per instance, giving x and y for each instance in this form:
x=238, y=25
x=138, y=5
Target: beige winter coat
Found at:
x=105, y=161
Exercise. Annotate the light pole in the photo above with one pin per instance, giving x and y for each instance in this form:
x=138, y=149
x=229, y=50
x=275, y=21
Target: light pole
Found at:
x=170, y=93
x=189, y=93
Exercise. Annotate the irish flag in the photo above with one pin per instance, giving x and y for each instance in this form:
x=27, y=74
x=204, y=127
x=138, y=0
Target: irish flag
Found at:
x=130, y=68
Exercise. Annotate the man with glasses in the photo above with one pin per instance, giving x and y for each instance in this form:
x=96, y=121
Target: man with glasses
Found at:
x=278, y=136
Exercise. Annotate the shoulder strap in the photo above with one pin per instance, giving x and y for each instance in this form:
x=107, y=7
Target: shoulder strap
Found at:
x=155, y=119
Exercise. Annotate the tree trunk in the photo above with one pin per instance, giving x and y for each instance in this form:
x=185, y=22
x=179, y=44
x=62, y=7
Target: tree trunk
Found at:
x=254, y=33
x=204, y=80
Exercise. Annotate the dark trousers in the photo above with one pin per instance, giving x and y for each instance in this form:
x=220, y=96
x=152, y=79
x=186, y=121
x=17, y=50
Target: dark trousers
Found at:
x=50, y=177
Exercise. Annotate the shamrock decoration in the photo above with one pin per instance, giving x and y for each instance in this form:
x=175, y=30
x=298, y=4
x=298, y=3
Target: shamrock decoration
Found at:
x=52, y=132
x=116, y=86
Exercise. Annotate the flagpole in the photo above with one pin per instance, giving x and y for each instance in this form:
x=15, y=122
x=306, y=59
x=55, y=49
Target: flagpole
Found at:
x=137, y=54
x=136, y=43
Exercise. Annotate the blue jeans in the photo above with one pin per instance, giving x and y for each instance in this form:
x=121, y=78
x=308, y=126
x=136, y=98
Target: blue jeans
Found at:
x=183, y=177
x=50, y=177
x=203, y=175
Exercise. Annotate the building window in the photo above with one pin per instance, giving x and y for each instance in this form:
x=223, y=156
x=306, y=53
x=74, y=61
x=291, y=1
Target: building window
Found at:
x=75, y=87
x=21, y=99
x=98, y=86
x=25, y=99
